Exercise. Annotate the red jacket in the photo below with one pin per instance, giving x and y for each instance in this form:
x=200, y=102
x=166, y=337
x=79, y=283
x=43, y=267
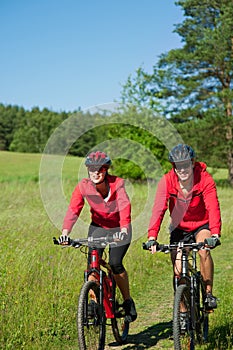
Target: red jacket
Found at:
x=200, y=207
x=115, y=212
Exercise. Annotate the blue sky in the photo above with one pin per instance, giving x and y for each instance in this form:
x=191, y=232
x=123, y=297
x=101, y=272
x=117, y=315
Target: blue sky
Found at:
x=66, y=54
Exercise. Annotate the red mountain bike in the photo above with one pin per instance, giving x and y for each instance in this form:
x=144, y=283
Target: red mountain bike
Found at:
x=99, y=298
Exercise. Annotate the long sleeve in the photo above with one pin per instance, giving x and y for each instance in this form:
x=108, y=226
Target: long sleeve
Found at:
x=159, y=208
x=212, y=205
x=124, y=206
x=74, y=209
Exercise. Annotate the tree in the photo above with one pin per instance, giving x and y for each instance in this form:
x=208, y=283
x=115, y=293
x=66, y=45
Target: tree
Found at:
x=10, y=117
x=33, y=130
x=195, y=79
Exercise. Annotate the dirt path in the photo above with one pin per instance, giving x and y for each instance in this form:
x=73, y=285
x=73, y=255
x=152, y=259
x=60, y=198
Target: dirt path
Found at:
x=151, y=330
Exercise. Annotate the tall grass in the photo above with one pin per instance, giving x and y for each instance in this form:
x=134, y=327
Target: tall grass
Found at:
x=40, y=283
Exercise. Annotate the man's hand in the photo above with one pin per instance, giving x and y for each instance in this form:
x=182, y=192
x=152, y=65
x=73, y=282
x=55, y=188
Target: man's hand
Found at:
x=64, y=240
x=152, y=245
x=212, y=241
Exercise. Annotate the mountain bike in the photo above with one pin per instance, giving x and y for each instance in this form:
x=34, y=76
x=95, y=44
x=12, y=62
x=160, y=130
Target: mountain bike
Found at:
x=99, y=298
x=189, y=296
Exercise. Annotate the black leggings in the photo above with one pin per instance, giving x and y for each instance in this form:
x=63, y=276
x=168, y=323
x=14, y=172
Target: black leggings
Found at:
x=116, y=253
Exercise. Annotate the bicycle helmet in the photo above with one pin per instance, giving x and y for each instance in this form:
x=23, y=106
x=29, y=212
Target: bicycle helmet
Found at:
x=181, y=153
x=98, y=158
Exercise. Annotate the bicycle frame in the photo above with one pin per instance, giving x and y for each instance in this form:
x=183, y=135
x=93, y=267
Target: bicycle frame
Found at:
x=106, y=281
x=191, y=277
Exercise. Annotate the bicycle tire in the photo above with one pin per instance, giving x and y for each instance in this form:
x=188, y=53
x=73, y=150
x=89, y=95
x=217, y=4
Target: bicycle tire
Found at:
x=91, y=326
x=182, y=339
x=120, y=328
x=197, y=309
x=205, y=313
x=201, y=316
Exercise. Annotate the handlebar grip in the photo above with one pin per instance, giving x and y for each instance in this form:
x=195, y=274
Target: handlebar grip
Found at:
x=145, y=247
x=55, y=241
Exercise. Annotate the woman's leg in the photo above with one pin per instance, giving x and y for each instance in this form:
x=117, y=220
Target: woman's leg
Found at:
x=116, y=255
x=123, y=283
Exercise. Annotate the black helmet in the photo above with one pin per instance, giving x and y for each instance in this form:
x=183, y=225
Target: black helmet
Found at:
x=181, y=153
x=98, y=158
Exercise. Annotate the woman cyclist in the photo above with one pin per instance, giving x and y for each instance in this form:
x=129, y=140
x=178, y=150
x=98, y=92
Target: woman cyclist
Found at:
x=189, y=192
x=110, y=212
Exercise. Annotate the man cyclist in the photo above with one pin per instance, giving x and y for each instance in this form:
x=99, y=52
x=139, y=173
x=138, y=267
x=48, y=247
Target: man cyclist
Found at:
x=110, y=212
x=189, y=192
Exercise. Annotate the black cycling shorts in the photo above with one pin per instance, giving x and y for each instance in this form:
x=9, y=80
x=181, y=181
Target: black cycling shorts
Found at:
x=178, y=235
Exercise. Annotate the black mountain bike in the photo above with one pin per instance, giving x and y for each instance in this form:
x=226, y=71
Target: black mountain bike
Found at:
x=189, y=296
x=99, y=298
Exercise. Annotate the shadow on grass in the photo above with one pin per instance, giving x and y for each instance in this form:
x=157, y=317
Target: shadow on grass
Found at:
x=149, y=337
x=219, y=338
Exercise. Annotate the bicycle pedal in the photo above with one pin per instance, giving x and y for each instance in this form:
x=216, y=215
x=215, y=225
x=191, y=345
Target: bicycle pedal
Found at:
x=120, y=314
x=209, y=311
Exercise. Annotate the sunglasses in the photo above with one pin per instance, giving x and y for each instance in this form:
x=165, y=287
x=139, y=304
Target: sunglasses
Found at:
x=181, y=166
x=93, y=169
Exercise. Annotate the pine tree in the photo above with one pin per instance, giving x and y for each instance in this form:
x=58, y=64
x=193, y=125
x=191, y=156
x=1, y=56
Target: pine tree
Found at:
x=195, y=79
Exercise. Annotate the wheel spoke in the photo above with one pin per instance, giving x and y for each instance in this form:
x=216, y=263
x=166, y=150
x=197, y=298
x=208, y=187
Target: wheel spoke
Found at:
x=183, y=334
x=90, y=318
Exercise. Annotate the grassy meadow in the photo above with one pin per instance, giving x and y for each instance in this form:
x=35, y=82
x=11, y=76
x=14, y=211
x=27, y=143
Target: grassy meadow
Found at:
x=40, y=282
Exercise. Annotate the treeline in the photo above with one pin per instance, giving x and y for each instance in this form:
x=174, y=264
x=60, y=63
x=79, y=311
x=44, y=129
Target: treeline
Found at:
x=26, y=131
x=137, y=141
x=29, y=131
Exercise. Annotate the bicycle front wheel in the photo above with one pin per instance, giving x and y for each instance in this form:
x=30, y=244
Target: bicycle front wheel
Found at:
x=183, y=334
x=91, y=321
x=201, y=315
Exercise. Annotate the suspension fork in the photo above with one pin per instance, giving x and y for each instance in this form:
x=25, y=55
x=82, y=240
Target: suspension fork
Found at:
x=184, y=263
x=193, y=301
x=101, y=291
x=183, y=276
x=194, y=288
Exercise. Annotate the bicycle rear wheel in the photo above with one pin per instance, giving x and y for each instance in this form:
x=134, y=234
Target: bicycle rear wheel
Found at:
x=91, y=321
x=120, y=328
x=183, y=337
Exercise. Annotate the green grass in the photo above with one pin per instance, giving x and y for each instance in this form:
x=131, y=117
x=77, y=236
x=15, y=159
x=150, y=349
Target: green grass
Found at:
x=40, y=283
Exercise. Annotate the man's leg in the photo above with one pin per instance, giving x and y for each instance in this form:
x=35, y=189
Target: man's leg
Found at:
x=206, y=261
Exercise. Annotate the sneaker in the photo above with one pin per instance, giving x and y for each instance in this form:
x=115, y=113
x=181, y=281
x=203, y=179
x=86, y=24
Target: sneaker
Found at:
x=183, y=322
x=210, y=302
x=92, y=309
x=130, y=310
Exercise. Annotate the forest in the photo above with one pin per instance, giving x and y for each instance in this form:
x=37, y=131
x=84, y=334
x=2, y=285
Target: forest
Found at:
x=190, y=88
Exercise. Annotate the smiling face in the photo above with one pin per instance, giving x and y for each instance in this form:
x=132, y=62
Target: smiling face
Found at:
x=97, y=174
x=184, y=170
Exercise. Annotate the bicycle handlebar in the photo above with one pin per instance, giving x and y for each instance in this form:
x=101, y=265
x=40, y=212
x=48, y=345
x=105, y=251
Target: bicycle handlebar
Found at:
x=89, y=241
x=165, y=248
